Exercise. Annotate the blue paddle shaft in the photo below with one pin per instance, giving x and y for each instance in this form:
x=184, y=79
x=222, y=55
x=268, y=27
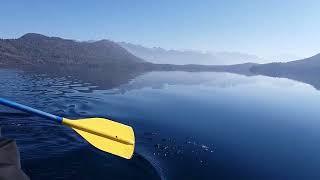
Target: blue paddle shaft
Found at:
x=30, y=110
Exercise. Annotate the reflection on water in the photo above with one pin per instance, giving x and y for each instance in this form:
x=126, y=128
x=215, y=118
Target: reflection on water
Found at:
x=188, y=125
x=105, y=77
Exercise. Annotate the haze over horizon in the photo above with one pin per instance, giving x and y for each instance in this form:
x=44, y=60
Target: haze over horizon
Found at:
x=283, y=30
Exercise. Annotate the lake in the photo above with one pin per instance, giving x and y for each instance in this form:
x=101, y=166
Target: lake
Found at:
x=188, y=125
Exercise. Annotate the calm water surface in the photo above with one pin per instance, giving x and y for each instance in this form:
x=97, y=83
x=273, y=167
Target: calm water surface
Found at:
x=187, y=125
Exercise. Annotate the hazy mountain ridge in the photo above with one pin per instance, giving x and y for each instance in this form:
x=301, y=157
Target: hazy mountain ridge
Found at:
x=39, y=51
x=307, y=65
x=182, y=57
x=34, y=48
x=304, y=70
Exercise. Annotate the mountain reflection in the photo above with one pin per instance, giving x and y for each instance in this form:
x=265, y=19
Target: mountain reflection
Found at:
x=122, y=79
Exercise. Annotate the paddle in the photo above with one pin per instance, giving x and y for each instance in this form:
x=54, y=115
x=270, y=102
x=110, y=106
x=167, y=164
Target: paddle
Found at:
x=104, y=134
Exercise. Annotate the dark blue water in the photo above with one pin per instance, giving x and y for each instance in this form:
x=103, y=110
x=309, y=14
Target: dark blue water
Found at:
x=187, y=126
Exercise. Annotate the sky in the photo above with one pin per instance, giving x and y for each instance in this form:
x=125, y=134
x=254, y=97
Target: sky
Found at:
x=266, y=28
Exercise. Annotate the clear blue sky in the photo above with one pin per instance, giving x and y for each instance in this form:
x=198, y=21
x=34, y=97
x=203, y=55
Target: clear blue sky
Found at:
x=262, y=27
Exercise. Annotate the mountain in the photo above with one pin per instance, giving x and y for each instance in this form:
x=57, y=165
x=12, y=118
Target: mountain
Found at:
x=303, y=66
x=304, y=70
x=34, y=48
x=85, y=59
x=182, y=57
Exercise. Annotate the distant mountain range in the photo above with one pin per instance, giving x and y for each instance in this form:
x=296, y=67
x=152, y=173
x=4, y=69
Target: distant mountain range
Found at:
x=181, y=57
x=36, y=50
x=304, y=70
x=53, y=53
x=308, y=65
x=39, y=49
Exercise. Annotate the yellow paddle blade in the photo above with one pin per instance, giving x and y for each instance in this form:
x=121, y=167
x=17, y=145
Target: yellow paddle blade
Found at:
x=106, y=135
